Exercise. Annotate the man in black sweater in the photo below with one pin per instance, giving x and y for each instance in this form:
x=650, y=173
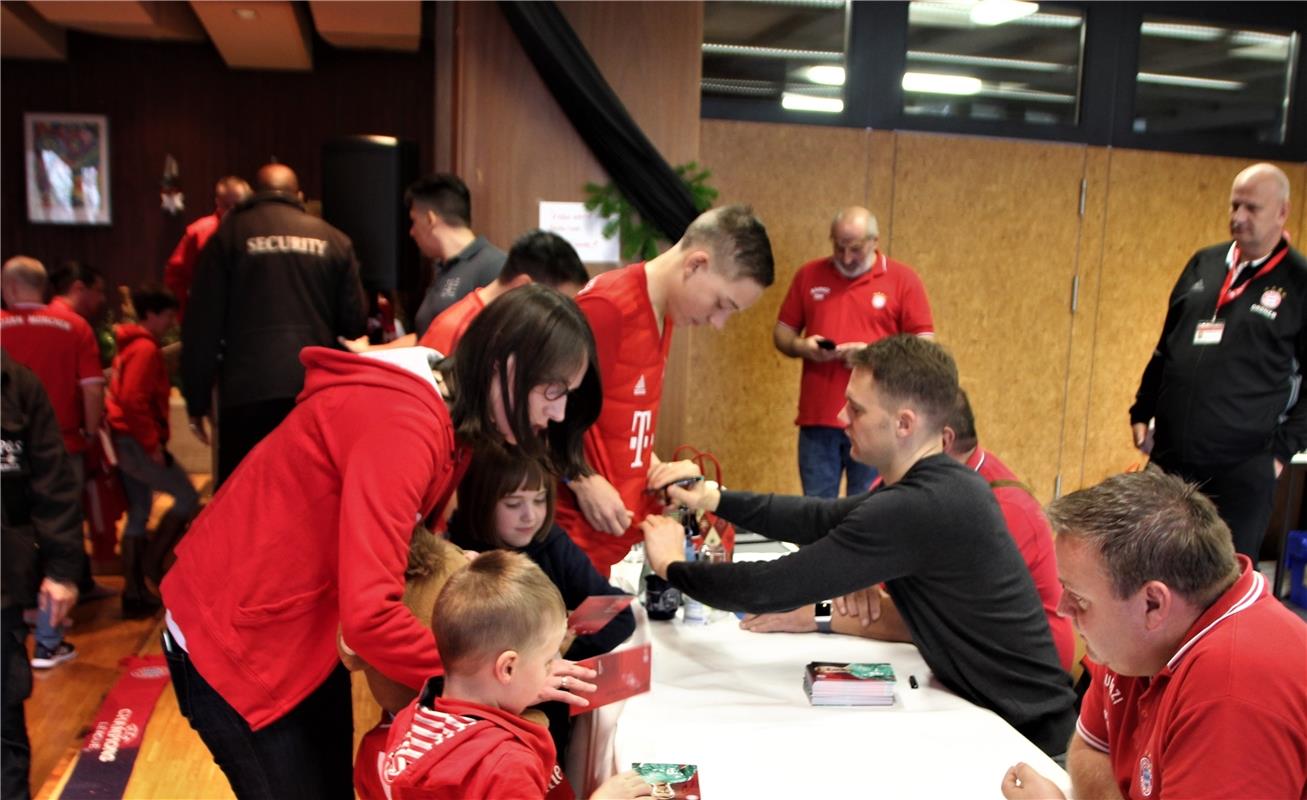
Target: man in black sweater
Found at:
x=932, y=532
x=1223, y=384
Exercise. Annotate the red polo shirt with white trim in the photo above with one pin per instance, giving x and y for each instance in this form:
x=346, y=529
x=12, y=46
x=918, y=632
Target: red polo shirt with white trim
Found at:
x=1226, y=717
x=885, y=300
x=60, y=347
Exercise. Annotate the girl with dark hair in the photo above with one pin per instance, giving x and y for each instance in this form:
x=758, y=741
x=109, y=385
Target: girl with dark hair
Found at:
x=310, y=536
x=506, y=501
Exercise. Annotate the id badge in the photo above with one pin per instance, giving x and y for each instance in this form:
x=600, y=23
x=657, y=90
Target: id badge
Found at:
x=1208, y=333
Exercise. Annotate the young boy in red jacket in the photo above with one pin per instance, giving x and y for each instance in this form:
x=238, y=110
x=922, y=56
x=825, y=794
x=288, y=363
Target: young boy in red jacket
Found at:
x=137, y=413
x=500, y=622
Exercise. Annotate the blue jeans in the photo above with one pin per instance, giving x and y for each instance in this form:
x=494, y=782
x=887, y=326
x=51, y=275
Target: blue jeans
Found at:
x=305, y=754
x=142, y=477
x=824, y=457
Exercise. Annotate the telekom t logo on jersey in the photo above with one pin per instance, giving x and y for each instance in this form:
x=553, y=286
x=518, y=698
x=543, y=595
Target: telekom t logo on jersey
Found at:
x=641, y=423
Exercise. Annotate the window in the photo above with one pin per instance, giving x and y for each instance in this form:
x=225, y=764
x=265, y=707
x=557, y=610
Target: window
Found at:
x=993, y=60
x=789, y=53
x=1226, y=80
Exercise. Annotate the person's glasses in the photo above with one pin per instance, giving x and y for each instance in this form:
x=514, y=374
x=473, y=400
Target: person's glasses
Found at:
x=555, y=391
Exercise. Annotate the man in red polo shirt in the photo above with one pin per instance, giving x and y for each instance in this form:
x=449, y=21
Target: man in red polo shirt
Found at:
x=1198, y=686
x=54, y=342
x=837, y=305
x=720, y=266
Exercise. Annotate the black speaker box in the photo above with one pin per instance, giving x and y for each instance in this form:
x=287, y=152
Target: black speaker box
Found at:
x=363, y=182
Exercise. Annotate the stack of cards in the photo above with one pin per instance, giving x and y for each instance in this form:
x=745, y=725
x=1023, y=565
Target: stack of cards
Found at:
x=828, y=683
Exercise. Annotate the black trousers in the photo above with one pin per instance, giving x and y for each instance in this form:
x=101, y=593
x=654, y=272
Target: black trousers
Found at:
x=1244, y=495
x=242, y=427
x=16, y=755
x=305, y=754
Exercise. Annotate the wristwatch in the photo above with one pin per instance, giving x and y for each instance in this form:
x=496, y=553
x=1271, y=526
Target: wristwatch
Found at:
x=821, y=613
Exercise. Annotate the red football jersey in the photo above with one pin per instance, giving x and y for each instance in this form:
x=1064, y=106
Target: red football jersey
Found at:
x=632, y=357
x=449, y=325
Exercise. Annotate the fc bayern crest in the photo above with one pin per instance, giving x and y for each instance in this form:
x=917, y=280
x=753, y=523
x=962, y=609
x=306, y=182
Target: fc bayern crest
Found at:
x=1271, y=298
x=878, y=300
x=1145, y=776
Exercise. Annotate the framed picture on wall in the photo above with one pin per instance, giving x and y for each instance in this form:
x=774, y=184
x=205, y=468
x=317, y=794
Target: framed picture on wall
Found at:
x=67, y=168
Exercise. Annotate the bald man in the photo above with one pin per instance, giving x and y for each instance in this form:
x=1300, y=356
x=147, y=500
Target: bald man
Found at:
x=1222, y=387
x=837, y=305
x=179, y=272
x=272, y=280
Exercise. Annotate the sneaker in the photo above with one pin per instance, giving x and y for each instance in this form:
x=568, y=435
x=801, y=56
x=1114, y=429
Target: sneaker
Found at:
x=44, y=658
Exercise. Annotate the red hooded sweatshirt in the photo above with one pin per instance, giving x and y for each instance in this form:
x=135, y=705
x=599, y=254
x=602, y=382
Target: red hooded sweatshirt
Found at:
x=442, y=749
x=311, y=532
x=137, y=402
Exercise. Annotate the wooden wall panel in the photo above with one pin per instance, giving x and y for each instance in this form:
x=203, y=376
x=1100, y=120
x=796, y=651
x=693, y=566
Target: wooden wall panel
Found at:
x=992, y=227
x=1161, y=207
x=179, y=98
x=514, y=147
x=743, y=395
x=1085, y=320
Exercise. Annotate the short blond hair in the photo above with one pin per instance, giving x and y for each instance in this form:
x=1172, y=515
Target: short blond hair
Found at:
x=501, y=601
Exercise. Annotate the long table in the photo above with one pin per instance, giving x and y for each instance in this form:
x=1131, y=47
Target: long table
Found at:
x=732, y=702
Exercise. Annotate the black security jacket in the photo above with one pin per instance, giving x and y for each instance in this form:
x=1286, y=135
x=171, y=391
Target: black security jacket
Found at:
x=271, y=281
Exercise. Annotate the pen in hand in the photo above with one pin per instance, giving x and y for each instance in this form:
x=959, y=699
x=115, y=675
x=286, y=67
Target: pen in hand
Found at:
x=684, y=483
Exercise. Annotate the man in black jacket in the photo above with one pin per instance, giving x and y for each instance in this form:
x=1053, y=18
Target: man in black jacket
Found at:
x=271, y=281
x=932, y=532
x=1222, y=387
x=42, y=546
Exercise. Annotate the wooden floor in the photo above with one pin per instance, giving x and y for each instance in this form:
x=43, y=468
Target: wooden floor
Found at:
x=172, y=763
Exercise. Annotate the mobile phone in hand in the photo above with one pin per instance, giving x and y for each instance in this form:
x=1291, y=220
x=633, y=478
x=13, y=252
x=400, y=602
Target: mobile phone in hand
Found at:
x=825, y=344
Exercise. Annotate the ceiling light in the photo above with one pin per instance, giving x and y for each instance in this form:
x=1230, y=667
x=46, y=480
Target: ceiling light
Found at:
x=1191, y=82
x=826, y=75
x=792, y=101
x=958, y=15
x=1191, y=33
x=987, y=61
x=784, y=53
x=245, y=14
x=998, y=12
x=930, y=83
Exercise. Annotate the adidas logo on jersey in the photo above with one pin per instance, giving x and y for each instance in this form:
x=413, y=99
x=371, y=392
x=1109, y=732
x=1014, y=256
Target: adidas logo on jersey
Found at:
x=640, y=389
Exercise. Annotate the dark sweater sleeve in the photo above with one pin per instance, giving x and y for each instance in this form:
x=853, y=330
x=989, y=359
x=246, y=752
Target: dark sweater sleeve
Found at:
x=1150, y=383
x=202, y=326
x=801, y=520
x=577, y=579
x=56, y=497
x=860, y=550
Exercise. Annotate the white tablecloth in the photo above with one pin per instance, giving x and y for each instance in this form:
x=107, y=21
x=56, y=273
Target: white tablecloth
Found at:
x=732, y=702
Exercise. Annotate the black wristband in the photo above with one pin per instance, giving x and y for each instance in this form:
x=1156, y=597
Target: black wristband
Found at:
x=821, y=615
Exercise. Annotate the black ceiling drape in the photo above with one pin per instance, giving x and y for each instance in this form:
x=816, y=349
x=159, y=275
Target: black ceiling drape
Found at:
x=622, y=149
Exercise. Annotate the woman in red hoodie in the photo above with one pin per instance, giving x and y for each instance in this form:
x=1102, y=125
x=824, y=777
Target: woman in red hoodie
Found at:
x=311, y=535
x=137, y=412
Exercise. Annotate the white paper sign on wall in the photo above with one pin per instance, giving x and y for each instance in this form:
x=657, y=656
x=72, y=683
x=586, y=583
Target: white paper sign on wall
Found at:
x=584, y=230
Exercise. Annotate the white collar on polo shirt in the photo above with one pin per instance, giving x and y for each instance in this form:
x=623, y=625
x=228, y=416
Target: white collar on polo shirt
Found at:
x=1257, y=262
x=1254, y=591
